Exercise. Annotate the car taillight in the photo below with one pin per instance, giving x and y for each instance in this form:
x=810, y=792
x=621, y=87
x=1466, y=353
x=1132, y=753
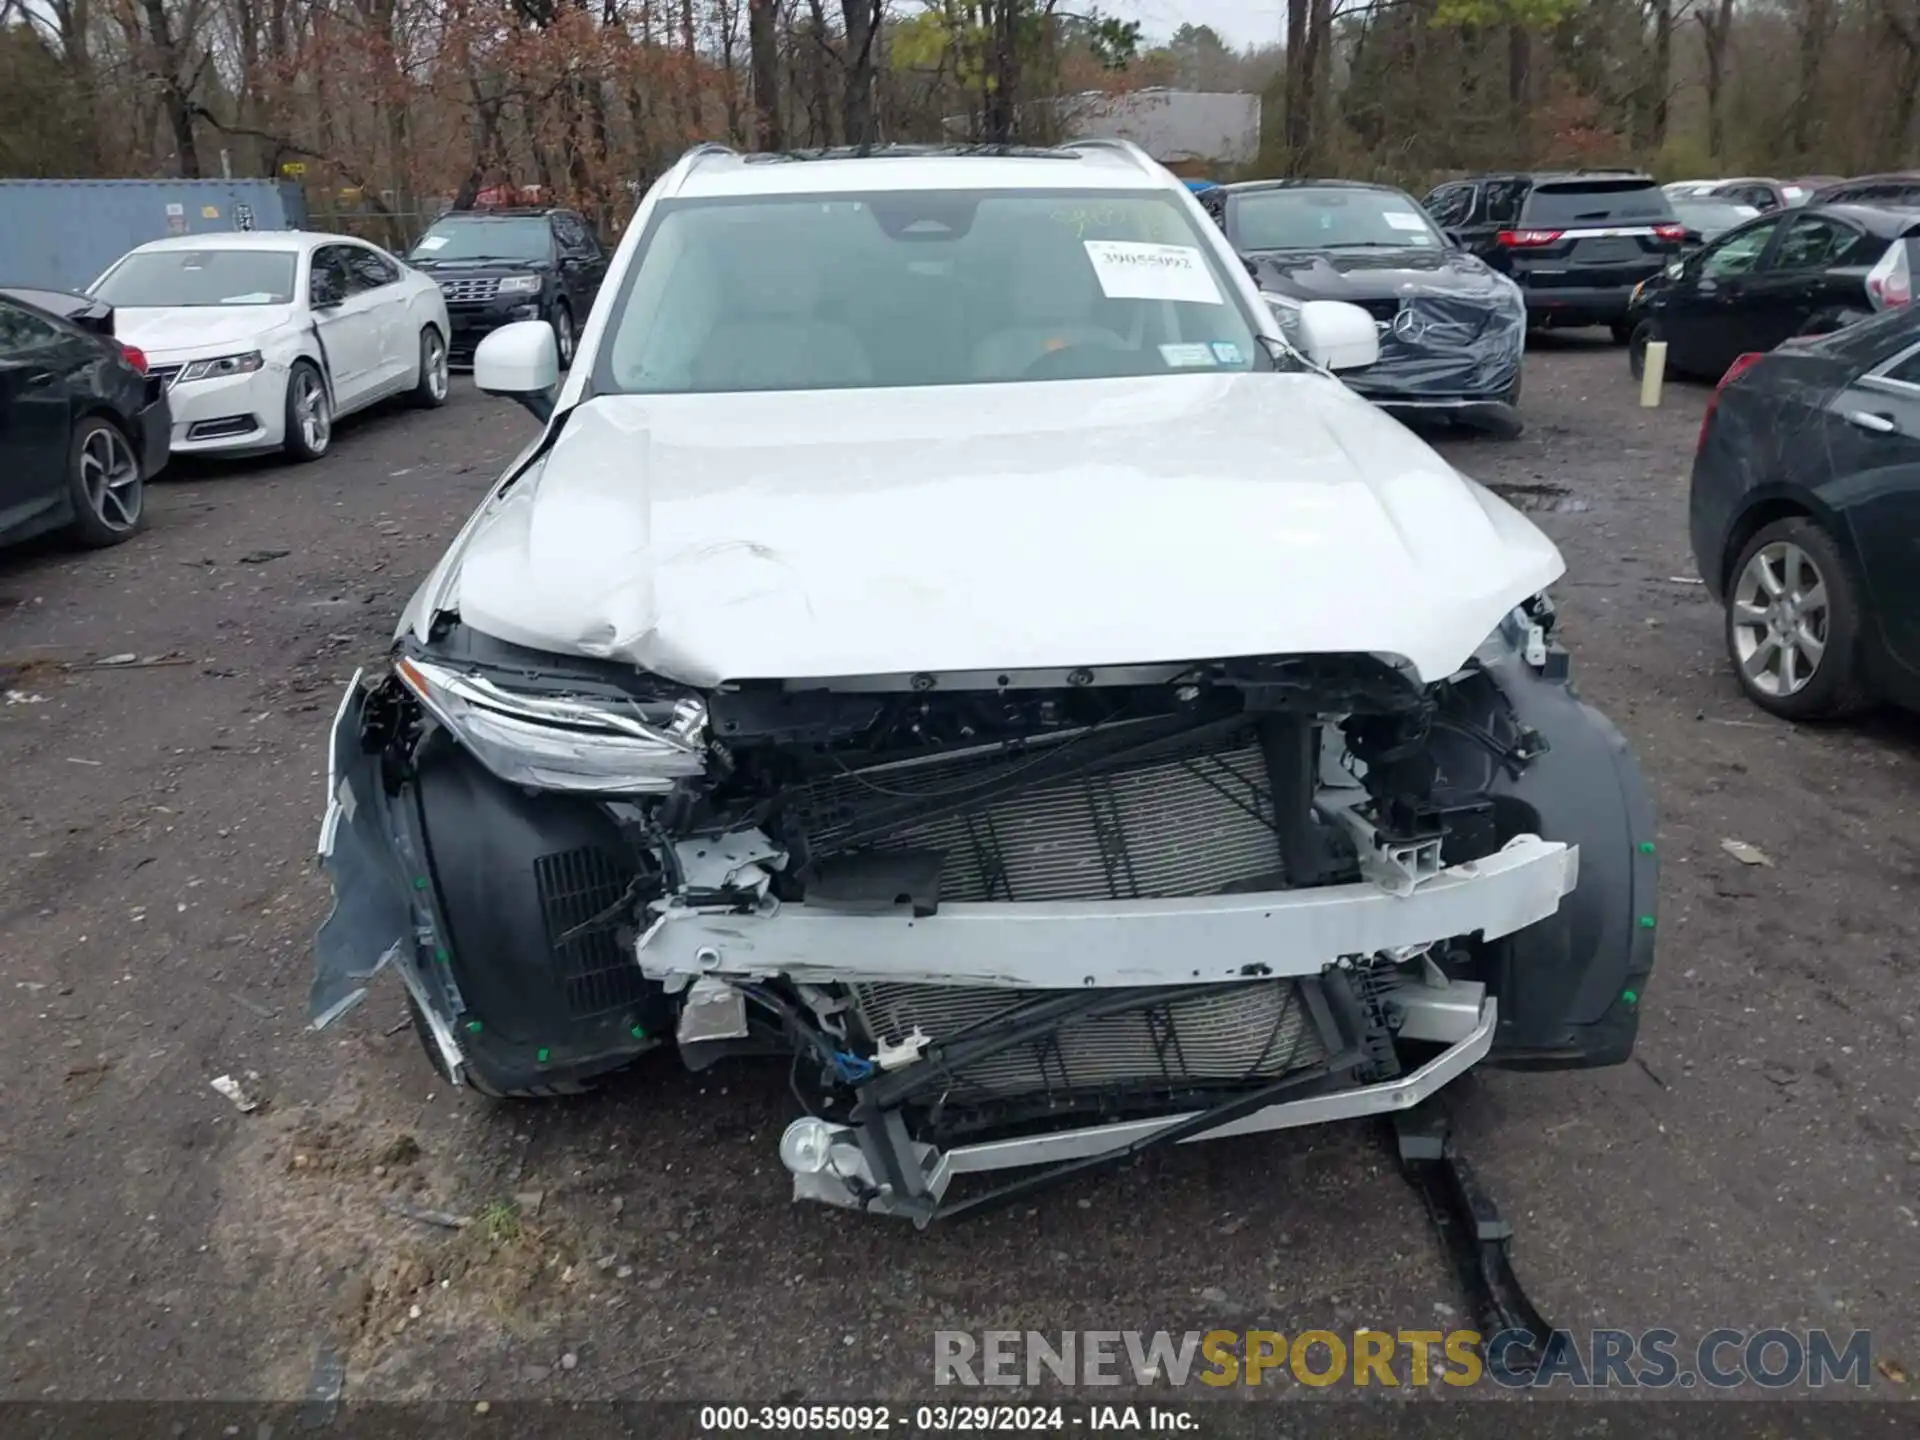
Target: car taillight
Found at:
x=1741, y=364
x=1526, y=239
x=1670, y=232
x=1890, y=282
x=136, y=358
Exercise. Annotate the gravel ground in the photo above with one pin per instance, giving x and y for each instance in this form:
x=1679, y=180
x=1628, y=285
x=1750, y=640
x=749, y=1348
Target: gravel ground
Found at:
x=1758, y=1164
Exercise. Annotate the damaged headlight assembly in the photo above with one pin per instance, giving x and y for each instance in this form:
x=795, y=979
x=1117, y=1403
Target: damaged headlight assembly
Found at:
x=574, y=744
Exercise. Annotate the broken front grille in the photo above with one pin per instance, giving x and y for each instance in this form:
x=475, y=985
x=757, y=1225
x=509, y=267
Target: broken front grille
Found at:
x=1232, y=1034
x=600, y=975
x=1195, y=821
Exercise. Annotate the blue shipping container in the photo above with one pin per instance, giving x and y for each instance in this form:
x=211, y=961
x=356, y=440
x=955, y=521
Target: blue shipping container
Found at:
x=61, y=234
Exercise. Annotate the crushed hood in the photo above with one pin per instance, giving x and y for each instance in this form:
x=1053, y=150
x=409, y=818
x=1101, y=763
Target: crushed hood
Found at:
x=196, y=331
x=1074, y=523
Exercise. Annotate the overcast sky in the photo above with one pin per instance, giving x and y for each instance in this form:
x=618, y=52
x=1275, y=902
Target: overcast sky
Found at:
x=1238, y=22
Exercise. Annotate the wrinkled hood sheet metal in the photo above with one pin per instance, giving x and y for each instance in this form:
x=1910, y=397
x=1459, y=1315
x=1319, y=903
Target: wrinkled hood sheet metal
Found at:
x=991, y=527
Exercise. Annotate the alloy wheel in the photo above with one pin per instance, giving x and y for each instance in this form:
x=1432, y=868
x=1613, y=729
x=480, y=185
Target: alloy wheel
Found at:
x=310, y=410
x=1780, y=616
x=563, y=337
x=436, y=363
x=110, y=477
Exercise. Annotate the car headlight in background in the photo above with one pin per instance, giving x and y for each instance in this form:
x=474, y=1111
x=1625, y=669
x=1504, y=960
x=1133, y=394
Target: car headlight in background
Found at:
x=577, y=743
x=221, y=368
x=520, y=285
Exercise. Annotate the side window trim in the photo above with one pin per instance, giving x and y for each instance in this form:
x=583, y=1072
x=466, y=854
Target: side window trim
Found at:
x=1879, y=377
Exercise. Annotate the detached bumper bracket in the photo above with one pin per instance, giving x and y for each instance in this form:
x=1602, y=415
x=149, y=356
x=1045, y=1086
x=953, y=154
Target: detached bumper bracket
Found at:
x=1475, y=1236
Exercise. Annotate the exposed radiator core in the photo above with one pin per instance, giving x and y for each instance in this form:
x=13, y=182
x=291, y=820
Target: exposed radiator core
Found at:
x=1234, y=1033
x=1191, y=822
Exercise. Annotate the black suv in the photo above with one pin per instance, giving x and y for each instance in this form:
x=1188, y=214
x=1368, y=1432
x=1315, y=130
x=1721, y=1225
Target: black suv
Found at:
x=1575, y=242
x=498, y=266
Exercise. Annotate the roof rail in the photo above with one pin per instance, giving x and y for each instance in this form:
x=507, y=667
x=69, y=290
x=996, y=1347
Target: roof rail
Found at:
x=1125, y=148
x=689, y=162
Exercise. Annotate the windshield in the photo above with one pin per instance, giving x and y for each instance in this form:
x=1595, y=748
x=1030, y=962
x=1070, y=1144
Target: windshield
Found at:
x=1307, y=218
x=921, y=288
x=162, y=279
x=478, y=237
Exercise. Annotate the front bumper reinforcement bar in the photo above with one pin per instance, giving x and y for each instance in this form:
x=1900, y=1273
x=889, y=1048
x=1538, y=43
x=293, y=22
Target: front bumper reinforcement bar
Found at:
x=1045, y=944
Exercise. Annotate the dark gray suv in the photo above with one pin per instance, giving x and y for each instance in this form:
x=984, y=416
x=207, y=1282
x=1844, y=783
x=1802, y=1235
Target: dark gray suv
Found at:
x=1576, y=242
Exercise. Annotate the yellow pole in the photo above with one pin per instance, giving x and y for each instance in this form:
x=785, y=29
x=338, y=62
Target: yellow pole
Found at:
x=1652, y=374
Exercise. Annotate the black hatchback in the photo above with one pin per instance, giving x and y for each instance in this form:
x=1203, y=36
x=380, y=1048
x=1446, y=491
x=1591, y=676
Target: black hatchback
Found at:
x=1576, y=243
x=1805, y=514
x=497, y=266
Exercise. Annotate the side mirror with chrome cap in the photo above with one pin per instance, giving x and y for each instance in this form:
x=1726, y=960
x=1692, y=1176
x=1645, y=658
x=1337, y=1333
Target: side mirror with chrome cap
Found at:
x=1337, y=336
x=521, y=362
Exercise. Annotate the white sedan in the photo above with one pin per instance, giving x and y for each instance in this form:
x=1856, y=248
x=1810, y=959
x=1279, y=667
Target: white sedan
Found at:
x=265, y=338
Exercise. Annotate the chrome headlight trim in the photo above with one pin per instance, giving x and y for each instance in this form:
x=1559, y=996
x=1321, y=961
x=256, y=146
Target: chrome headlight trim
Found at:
x=564, y=743
x=221, y=367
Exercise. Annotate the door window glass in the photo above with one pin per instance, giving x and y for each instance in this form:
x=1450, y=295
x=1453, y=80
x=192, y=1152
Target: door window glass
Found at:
x=21, y=330
x=369, y=270
x=1501, y=200
x=1813, y=242
x=1449, y=204
x=1737, y=254
x=332, y=275
x=574, y=238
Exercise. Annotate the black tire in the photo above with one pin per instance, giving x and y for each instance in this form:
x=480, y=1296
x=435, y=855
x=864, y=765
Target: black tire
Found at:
x=1643, y=335
x=1621, y=330
x=109, y=498
x=565, y=337
x=430, y=393
x=1836, y=687
x=424, y=1034
x=306, y=385
x=1513, y=390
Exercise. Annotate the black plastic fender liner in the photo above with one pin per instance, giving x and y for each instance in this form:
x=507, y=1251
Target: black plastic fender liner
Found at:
x=1570, y=987
x=512, y=871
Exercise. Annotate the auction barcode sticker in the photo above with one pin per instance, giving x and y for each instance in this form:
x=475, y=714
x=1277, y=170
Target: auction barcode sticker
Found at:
x=1133, y=270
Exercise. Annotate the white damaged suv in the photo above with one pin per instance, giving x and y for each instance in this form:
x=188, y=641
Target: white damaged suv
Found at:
x=945, y=636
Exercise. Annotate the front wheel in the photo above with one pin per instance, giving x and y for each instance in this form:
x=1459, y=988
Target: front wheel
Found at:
x=431, y=392
x=103, y=478
x=563, y=336
x=1643, y=336
x=309, y=413
x=1794, y=623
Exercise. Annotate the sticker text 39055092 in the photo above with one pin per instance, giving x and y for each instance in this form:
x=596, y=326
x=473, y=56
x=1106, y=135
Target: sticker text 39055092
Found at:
x=1134, y=270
